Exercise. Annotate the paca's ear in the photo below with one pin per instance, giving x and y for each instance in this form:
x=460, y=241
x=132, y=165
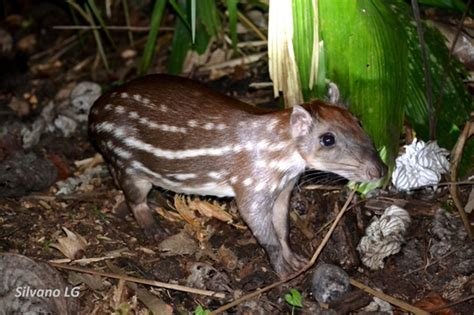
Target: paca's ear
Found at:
x=300, y=121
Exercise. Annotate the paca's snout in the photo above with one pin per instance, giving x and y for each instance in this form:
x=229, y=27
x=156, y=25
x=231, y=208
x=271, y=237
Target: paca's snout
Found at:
x=376, y=171
x=375, y=168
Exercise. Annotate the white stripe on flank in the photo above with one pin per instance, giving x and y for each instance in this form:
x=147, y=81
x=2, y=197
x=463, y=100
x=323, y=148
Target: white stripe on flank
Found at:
x=183, y=176
x=211, y=188
x=132, y=142
x=216, y=175
x=139, y=166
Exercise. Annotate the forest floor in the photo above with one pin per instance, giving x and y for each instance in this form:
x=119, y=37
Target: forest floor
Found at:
x=55, y=184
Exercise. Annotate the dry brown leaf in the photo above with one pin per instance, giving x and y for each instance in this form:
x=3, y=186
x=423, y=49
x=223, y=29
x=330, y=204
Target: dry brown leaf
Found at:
x=178, y=244
x=183, y=209
x=432, y=302
x=153, y=303
x=210, y=210
x=168, y=215
x=227, y=257
x=72, y=246
x=94, y=282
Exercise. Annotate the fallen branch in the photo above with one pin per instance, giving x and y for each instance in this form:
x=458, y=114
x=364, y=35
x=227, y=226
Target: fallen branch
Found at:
x=387, y=298
x=456, y=156
x=154, y=283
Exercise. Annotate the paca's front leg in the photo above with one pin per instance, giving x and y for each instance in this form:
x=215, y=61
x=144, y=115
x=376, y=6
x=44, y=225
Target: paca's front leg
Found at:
x=280, y=224
x=257, y=212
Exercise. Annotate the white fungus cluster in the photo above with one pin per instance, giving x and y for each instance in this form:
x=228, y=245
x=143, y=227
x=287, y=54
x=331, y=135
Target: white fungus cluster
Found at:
x=422, y=164
x=384, y=237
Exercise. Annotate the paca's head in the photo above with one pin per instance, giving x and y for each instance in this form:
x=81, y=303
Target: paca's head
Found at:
x=331, y=139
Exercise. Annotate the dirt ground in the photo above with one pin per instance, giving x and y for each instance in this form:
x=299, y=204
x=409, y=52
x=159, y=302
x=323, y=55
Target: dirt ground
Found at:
x=54, y=185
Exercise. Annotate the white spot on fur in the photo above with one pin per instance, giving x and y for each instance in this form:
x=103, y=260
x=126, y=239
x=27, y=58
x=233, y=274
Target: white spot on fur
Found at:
x=248, y=181
x=259, y=186
x=208, y=126
x=274, y=187
x=163, y=108
x=233, y=179
x=137, y=97
x=272, y=124
x=221, y=126
x=113, y=94
x=261, y=163
x=262, y=144
x=192, y=123
x=120, y=109
x=278, y=146
x=249, y=146
x=133, y=115
x=124, y=95
x=108, y=107
x=146, y=100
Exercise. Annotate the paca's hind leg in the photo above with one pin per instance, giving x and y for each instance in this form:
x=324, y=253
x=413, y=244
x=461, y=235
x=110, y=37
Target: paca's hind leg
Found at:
x=136, y=190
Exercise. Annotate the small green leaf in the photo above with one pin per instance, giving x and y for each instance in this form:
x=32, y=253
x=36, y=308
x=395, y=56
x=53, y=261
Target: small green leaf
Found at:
x=294, y=298
x=99, y=18
x=149, y=51
x=201, y=311
x=98, y=40
x=232, y=9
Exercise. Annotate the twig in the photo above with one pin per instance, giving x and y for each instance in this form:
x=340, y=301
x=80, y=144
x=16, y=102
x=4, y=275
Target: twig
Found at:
x=456, y=155
x=433, y=262
x=110, y=27
x=143, y=281
x=235, y=62
x=250, y=25
x=48, y=51
x=296, y=274
x=388, y=298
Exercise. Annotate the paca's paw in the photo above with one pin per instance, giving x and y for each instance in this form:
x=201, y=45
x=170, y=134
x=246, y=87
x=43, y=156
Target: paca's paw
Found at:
x=285, y=266
x=152, y=231
x=146, y=221
x=297, y=262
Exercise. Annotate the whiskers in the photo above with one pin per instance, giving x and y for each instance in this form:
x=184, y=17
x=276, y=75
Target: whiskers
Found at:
x=313, y=177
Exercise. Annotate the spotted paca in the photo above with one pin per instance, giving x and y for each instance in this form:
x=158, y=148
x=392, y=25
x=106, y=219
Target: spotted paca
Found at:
x=172, y=132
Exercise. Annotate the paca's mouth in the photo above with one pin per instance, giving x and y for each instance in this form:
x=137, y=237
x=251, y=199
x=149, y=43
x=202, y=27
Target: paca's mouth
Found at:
x=356, y=173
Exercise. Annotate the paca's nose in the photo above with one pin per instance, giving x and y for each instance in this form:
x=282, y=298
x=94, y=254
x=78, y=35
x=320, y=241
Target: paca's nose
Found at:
x=376, y=171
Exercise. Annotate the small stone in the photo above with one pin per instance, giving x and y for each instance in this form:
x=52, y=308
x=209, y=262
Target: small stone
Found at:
x=330, y=283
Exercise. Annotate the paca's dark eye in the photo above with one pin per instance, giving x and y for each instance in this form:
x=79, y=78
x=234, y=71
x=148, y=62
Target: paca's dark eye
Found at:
x=327, y=140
